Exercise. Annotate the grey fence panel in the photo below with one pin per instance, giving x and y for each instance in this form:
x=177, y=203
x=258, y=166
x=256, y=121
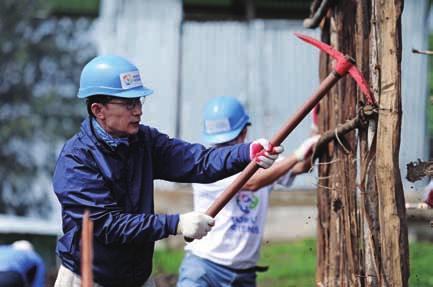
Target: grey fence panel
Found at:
x=146, y=32
x=414, y=135
x=261, y=63
x=214, y=63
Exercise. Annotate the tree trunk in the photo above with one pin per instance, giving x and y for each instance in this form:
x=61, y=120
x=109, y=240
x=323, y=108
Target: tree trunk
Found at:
x=362, y=234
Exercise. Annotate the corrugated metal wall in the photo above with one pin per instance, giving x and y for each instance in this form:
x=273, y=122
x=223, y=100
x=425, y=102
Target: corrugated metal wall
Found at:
x=260, y=62
x=414, y=135
x=146, y=32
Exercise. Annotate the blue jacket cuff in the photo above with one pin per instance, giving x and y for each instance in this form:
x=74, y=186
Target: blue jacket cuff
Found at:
x=172, y=222
x=245, y=152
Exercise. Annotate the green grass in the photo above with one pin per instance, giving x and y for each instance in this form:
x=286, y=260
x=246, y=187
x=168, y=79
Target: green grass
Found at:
x=294, y=264
x=290, y=264
x=421, y=259
x=167, y=261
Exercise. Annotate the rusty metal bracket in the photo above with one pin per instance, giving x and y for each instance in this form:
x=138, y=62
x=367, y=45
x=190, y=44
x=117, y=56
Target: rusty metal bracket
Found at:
x=365, y=113
x=318, y=11
x=423, y=52
x=418, y=169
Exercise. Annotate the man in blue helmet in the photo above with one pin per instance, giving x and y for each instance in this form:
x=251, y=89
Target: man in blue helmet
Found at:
x=21, y=266
x=108, y=168
x=228, y=255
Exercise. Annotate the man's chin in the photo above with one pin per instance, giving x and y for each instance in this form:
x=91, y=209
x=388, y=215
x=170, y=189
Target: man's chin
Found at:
x=134, y=130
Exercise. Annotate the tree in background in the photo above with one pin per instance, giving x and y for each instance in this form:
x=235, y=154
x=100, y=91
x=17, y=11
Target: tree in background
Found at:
x=40, y=61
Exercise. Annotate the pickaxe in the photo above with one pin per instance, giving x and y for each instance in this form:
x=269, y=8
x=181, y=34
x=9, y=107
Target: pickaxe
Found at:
x=344, y=64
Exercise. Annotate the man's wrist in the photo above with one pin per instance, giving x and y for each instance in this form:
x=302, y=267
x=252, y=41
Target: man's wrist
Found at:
x=173, y=223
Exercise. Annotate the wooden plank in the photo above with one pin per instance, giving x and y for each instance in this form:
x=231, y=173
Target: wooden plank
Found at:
x=392, y=217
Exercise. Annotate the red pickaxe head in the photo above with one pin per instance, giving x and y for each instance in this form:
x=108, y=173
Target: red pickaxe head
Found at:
x=345, y=64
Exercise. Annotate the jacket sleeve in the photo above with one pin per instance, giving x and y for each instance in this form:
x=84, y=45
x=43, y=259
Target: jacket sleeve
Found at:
x=80, y=186
x=39, y=280
x=286, y=179
x=176, y=160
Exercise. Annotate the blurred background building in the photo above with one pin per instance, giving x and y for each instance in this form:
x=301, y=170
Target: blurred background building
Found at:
x=188, y=52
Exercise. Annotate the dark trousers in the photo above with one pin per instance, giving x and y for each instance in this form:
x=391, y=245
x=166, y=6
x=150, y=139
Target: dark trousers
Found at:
x=11, y=279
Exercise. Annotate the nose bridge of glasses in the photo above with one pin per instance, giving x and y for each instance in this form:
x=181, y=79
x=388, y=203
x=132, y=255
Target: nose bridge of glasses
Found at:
x=136, y=103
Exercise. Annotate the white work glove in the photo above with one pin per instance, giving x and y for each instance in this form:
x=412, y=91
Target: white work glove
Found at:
x=262, y=152
x=194, y=224
x=306, y=148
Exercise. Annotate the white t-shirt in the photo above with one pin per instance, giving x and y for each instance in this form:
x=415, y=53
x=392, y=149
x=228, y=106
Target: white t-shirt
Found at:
x=235, y=239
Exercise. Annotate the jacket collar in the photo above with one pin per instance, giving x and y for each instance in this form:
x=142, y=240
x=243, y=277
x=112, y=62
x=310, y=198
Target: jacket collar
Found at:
x=106, y=137
x=88, y=129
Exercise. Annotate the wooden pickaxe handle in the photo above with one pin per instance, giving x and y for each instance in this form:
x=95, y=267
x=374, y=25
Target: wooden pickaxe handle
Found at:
x=87, y=251
x=276, y=140
x=344, y=65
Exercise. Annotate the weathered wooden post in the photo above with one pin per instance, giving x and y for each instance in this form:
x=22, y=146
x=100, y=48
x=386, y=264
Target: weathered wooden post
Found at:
x=362, y=232
x=386, y=56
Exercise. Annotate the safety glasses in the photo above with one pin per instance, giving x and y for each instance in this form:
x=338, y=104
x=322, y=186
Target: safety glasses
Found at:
x=129, y=104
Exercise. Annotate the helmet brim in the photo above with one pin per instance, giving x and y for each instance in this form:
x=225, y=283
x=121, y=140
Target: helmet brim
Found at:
x=130, y=93
x=135, y=93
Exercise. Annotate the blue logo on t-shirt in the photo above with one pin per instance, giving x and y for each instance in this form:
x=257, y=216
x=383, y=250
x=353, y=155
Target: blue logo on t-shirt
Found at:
x=247, y=201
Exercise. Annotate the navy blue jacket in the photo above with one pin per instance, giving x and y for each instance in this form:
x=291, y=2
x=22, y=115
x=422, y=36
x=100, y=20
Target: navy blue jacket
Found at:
x=116, y=186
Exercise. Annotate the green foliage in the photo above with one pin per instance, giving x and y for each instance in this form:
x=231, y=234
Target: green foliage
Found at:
x=430, y=118
x=79, y=7
x=294, y=264
x=430, y=101
x=40, y=63
x=208, y=2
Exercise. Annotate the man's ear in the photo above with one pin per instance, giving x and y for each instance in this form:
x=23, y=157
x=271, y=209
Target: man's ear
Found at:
x=241, y=136
x=243, y=133
x=97, y=110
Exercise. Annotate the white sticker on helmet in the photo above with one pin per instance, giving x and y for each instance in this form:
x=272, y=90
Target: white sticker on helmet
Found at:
x=217, y=126
x=130, y=80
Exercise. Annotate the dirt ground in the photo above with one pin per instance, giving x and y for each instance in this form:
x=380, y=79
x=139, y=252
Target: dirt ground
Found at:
x=166, y=280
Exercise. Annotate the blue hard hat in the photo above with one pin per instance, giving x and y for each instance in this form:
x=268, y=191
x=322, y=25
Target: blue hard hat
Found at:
x=224, y=119
x=111, y=75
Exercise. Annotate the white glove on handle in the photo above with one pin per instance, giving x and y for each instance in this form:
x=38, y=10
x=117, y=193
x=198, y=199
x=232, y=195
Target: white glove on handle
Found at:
x=306, y=148
x=262, y=152
x=194, y=224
